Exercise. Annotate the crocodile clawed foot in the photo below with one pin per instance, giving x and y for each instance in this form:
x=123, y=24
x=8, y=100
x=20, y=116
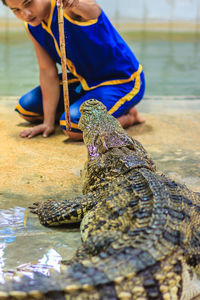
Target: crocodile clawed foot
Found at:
x=34, y=207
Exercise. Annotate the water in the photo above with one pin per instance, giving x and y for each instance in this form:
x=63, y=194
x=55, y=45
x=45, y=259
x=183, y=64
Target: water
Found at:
x=25, y=245
x=170, y=62
x=18, y=69
x=171, y=67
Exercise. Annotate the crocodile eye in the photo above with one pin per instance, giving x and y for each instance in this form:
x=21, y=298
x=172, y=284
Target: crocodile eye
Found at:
x=87, y=110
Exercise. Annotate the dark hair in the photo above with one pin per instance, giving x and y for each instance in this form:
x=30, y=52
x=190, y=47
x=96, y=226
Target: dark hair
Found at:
x=4, y=2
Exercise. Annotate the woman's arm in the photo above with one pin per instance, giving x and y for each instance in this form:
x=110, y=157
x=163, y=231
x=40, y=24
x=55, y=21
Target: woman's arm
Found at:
x=84, y=9
x=49, y=82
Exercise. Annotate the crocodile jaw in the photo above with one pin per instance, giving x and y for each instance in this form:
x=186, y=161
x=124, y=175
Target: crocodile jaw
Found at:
x=101, y=131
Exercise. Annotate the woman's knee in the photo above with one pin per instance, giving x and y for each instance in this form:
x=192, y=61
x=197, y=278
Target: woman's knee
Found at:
x=30, y=106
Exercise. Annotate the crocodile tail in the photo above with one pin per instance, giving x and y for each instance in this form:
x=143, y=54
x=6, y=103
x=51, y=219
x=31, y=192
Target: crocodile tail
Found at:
x=127, y=274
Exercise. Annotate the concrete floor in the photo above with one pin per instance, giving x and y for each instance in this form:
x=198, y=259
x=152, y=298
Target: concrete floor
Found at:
x=37, y=169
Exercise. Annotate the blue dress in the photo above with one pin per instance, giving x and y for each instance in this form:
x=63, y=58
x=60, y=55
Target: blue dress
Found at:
x=101, y=64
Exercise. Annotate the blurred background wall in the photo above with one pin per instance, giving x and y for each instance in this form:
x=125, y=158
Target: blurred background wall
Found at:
x=154, y=14
x=140, y=14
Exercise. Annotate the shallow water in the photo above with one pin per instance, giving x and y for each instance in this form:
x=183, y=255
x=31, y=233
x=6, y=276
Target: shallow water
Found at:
x=27, y=246
x=170, y=62
x=171, y=67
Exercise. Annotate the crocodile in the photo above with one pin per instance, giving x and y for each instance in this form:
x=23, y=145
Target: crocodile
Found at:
x=140, y=229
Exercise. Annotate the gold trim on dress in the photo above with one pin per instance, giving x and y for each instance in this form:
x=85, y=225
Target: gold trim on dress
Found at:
x=26, y=112
x=63, y=123
x=83, y=23
x=128, y=96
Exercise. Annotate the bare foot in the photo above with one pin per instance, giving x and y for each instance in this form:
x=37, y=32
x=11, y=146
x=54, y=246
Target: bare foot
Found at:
x=131, y=118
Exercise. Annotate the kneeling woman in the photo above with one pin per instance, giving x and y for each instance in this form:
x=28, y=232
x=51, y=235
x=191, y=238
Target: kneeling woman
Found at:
x=101, y=65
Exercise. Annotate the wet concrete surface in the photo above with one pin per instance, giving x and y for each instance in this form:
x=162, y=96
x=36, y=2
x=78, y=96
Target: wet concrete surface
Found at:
x=38, y=169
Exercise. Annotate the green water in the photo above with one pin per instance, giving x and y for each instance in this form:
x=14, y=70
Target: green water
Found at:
x=170, y=61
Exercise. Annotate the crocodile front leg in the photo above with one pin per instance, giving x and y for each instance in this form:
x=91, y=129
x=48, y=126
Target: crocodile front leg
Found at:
x=55, y=213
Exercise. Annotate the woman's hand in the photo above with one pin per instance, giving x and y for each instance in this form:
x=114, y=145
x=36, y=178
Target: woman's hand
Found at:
x=69, y=3
x=43, y=129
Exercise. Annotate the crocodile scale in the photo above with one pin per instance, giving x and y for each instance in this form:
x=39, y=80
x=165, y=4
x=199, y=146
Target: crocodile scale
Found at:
x=140, y=229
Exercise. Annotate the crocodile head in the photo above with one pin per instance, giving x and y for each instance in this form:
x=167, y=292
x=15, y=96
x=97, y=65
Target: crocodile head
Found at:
x=101, y=131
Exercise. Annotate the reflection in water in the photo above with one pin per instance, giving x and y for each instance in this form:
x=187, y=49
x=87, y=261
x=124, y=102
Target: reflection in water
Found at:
x=11, y=221
x=32, y=248
x=50, y=260
x=2, y=263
